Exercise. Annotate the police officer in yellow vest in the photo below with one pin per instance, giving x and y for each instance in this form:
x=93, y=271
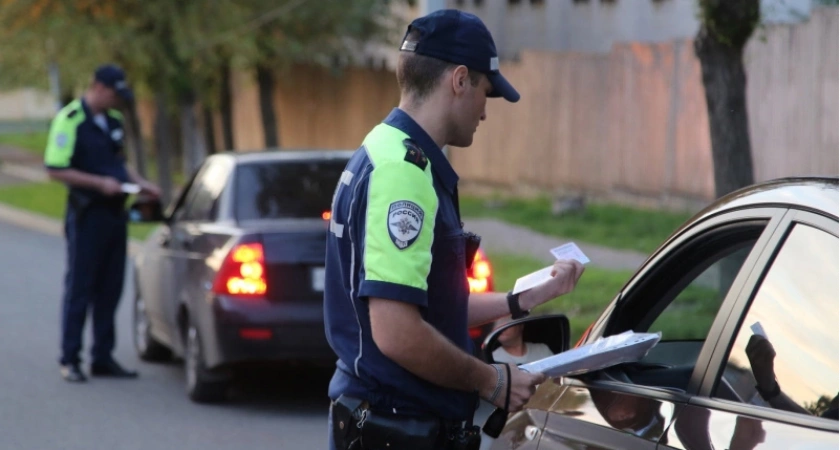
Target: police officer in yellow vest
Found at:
x=85, y=151
x=397, y=304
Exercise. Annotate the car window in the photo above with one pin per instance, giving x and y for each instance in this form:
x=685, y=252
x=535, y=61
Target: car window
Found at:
x=691, y=313
x=286, y=190
x=796, y=306
x=202, y=200
x=681, y=297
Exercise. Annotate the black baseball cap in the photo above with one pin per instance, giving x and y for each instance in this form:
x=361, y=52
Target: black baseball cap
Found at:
x=113, y=76
x=460, y=38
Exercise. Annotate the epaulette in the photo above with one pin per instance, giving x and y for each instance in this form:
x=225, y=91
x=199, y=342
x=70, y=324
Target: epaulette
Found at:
x=415, y=155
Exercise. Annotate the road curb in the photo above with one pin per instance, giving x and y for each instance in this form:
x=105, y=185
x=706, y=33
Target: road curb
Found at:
x=43, y=224
x=28, y=173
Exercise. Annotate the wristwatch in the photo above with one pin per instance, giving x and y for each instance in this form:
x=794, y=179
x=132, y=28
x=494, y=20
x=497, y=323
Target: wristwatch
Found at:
x=513, y=303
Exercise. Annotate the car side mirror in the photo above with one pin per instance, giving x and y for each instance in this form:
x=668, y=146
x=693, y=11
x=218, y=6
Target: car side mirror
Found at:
x=146, y=210
x=552, y=330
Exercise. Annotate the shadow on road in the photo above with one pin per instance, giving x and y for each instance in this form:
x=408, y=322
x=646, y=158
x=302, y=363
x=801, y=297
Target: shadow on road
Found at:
x=281, y=390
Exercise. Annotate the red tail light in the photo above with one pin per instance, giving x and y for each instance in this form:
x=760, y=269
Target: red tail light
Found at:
x=480, y=274
x=326, y=215
x=243, y=272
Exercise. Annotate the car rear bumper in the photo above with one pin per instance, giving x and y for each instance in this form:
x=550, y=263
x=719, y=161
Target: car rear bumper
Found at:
x=260, y=331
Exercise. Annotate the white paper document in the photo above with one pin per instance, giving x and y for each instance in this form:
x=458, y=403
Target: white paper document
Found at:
x=532, y=280
x=569, y=251
x=130, y=188
x=758, y=329
x=605, y=352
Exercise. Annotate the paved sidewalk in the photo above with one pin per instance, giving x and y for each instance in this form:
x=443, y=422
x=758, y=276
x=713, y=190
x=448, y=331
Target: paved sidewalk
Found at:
x=503, y=237
x=21, y=165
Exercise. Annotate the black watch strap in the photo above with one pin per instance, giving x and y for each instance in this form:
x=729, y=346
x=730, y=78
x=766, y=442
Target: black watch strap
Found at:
x=513, y=304
x=769, y=395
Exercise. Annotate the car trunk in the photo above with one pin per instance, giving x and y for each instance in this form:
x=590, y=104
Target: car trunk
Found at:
x=294, y=258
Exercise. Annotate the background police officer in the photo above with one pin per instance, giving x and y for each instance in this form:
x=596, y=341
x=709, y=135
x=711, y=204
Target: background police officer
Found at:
x=85, y=151
x=397, y=302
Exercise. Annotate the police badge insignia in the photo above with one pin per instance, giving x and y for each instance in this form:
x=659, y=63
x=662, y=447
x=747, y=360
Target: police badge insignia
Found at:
x=61, y=140
x=405, y=219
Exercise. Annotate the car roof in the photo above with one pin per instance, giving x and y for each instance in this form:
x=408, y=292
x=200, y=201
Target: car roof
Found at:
x=277, y=155
x=816, y=194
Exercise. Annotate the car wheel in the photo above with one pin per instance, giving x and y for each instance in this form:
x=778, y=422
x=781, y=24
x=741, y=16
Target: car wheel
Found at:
x=148, y=349
x=203, y=386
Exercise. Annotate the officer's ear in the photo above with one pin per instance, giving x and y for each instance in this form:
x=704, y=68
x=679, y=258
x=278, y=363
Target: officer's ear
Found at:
x=460, y=80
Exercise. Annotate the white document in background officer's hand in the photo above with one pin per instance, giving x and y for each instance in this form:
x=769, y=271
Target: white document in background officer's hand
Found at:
x=130, y=188
x=534, y=279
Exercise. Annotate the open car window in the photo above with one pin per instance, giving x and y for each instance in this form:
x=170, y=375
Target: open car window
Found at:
x=681, y=297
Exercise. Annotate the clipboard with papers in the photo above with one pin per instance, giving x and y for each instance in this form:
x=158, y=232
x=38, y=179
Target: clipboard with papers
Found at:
x=605, y=352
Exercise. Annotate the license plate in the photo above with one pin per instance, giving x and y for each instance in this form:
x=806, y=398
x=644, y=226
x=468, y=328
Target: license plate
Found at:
x=318, y=279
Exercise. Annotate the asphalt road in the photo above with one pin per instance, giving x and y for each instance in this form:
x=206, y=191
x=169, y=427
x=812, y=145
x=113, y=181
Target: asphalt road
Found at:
x=38, y=410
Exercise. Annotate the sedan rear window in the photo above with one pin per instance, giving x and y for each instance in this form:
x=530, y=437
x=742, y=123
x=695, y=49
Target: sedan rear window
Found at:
x=285, y=190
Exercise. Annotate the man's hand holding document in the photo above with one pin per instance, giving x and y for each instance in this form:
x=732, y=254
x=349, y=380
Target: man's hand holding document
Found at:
x=533, y=279
x=602, y=353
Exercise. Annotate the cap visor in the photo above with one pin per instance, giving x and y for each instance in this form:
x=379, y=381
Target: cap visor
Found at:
x=126, y=94
x=502, y=88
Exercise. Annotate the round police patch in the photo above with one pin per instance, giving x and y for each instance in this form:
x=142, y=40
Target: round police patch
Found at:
x=405, y=220
x=61, y=140
x=117, y=134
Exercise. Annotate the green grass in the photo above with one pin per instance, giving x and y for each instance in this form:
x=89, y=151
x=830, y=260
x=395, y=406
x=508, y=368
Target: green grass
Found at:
x=596, y=288
x=49, y=199
x=608, y=225
x=34, y=142
x=689, y=316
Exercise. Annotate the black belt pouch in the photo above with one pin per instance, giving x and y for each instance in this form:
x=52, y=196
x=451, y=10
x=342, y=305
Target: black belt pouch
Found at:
x=384, y=431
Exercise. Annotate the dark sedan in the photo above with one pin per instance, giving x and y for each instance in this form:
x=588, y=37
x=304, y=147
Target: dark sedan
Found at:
x=745, y=295
x=234, y=275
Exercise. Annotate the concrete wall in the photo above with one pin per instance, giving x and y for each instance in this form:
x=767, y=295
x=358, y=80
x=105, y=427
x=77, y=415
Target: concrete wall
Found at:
x=26, y=104
x=595, y=25
x=632, y=124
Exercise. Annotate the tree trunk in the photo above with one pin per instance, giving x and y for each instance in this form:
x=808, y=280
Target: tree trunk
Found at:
x=726, y=28
x=163, y=147
x=191, y=139
x=135, y=138
x=226, y=106
x=209, y=129
x=265, y=80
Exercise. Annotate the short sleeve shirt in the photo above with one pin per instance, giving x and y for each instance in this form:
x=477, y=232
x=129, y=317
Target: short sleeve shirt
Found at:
x=396, y=234
x=76, y=141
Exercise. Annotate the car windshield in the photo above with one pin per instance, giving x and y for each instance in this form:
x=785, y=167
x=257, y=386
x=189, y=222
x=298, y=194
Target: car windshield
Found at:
x=285, y=189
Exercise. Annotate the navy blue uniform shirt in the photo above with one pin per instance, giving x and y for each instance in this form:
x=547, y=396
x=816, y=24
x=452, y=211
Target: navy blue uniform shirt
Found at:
x=396, y=234
x=76, y=141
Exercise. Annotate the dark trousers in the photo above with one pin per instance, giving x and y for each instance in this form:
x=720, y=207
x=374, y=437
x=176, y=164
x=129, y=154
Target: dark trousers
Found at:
x=96, y=251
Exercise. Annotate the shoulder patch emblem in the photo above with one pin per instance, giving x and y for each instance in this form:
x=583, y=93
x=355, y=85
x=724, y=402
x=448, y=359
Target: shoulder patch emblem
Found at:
x=61, y=140
x=414, y=155
x=405, y=220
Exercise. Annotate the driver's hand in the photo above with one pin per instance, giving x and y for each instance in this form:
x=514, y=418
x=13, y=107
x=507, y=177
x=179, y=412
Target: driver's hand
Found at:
x=522, y=386
x=761, y=355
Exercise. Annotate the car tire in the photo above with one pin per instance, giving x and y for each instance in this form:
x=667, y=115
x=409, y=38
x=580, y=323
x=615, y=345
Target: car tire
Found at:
x=147, y=347
x=202, y=385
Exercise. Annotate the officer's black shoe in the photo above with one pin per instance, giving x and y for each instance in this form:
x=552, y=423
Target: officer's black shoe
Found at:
x=73, y=373
x=111, y=369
